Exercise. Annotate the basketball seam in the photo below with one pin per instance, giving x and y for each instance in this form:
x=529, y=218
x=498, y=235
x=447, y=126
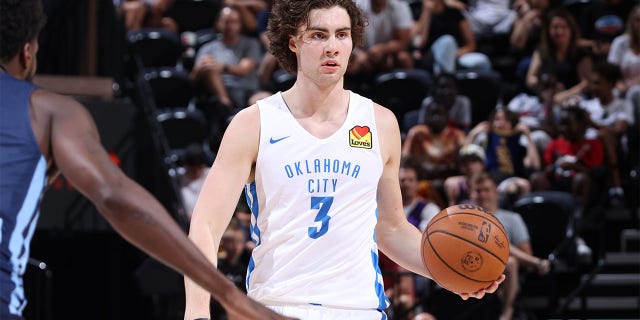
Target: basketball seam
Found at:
x=496, y=222
x=463, y=239
x=454, y=270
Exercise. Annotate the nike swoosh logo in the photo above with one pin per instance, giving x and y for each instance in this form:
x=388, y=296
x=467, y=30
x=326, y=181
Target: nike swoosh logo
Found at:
x=272, y=140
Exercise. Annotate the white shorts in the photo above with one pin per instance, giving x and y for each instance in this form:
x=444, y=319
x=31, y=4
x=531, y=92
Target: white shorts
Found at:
x=314, y=312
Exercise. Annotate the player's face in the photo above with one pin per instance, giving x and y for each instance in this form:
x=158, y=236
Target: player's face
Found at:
x=323, y=46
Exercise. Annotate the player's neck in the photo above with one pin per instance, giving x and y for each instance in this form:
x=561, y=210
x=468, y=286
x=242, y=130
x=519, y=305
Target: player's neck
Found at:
x=14, y=69
x=306, y=100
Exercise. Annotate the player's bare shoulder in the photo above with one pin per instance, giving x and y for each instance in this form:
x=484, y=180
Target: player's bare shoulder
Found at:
x=49, y=111
x=247, y=119
x=46, y=102
x=388, y=131
x=386, y=122
x=243, y=133
x=384, y=117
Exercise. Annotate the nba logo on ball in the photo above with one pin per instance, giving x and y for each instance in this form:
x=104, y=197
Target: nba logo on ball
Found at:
x=483, y=236
x=465, y=248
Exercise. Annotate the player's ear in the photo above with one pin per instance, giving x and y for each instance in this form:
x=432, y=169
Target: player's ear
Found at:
x=293, y=45
x=27, y=54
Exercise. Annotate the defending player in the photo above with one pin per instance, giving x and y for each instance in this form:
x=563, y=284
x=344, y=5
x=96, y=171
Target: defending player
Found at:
x=42, y=133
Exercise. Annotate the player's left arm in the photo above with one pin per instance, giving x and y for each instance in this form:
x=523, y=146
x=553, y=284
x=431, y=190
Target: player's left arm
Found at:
x=397, y=238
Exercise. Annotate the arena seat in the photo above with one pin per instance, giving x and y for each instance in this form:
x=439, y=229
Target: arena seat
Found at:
x=483, y=89
x=193, y=15
x=171, y=87
x=183, y=127
x=401, y=90
x=155, y=47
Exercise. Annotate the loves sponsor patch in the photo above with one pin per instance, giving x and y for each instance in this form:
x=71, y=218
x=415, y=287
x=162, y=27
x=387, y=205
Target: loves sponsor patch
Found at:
x=360, y=137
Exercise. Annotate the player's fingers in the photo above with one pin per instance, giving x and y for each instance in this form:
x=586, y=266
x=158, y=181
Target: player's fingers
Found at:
x=464, y=296
x=496, y=284
x=479, y=294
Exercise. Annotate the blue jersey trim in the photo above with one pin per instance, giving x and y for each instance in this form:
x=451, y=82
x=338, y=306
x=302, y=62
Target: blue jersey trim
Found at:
x=21, y=236
x=250, y=267
x=252, y=199
x=383, y=301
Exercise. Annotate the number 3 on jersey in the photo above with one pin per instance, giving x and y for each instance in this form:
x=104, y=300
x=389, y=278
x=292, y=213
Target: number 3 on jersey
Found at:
x=322, y=204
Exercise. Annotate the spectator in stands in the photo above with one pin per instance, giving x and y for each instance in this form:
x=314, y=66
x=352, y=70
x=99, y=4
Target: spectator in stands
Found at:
x=268, y=64
x=418, y=210
x=249, y=10
x=196, y=168
x=458, y=106
x=571, y=161
x=526, y=30
x=559, y=54
x=386, y=38
x=610, y=117
x=484, y=193
x=490, y=17
x=445, y=39
x=434, y=144
x=471, y=162
x=601, y=20
x=510, y=150
x=538, y=111
x=625, y=52
x=147, y=14
x=226, y=67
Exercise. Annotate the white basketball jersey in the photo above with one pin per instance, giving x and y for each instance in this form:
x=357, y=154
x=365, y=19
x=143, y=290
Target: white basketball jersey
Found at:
x=314, y=211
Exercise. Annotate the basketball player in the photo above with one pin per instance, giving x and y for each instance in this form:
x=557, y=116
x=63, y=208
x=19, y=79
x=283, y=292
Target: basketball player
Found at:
x=319, y=165
x=42, y=133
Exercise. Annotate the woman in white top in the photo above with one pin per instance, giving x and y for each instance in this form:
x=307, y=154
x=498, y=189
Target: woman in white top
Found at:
x=625, y=52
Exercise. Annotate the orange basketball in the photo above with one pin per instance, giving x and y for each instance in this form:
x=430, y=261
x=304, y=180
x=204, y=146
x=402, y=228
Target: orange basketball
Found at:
x=465, y=248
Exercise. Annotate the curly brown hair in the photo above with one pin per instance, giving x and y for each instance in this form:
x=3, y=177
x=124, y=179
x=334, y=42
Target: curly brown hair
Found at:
x=287, y=15
x=21, y=22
